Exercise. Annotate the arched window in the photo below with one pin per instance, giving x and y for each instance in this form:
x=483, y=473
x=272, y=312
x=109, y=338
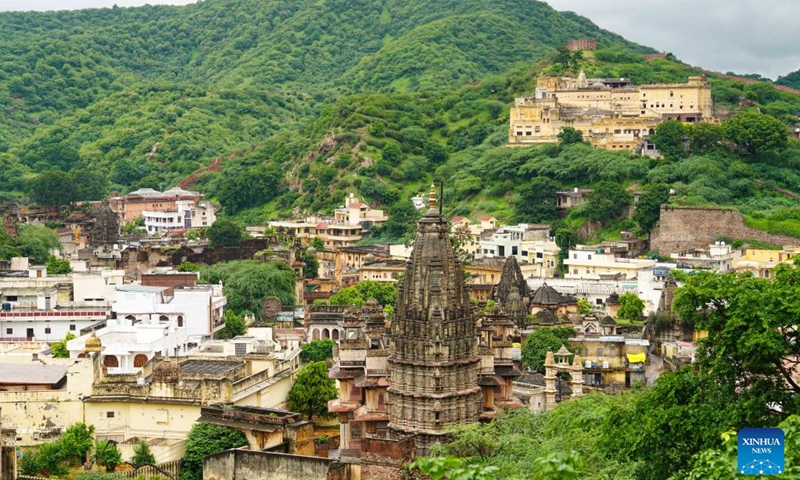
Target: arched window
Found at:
x=163, y=318
x=81, y=355
x=326, y=333
x=139, y=360
x=130, y=317
x=335, y=334
x=110, y=361
x=180, y=320
x=315, y=335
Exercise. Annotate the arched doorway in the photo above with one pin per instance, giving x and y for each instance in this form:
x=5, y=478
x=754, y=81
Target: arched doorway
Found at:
x=139, y=360
x=335, y=334
x=110, y=361
x=315, y=334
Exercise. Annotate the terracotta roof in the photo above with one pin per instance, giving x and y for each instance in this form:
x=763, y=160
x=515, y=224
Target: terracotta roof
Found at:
x=459, y=219
x=322, y=226
x=486, y=218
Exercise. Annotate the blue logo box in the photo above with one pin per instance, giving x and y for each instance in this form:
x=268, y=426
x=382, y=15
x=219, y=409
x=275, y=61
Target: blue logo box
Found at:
x=761, y=451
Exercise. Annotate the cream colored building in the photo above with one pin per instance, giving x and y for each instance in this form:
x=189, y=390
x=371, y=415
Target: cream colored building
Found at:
x=762, y=262
x=597, y=263
x=539, y=258
x=612, y=113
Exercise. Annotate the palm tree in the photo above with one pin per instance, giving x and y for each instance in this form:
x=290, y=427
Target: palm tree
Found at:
x=107, y=455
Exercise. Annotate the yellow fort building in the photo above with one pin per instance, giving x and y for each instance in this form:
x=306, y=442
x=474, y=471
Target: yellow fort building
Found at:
x=612, y=113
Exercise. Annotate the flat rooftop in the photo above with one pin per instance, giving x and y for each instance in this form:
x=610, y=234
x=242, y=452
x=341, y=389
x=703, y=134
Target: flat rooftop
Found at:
x=209, y=367
x=31, y=374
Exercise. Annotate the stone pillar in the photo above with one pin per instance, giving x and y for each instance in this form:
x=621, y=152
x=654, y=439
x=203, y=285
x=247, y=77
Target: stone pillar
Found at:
x=549, y=381
x=576, y=371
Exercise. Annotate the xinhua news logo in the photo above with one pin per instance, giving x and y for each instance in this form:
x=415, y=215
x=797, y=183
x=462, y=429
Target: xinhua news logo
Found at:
x=761, y=451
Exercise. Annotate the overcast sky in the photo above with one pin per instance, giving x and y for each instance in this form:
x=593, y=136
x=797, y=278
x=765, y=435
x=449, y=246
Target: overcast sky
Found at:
x=724, y=35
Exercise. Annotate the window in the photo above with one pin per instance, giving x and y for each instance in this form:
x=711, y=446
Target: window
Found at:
x=11, y=298
x=110, y=361
x=599, y=301
x=590, y=256
x=109, y=414
x=574, y=256
x=180, y=321
x=139, y=360
x=575, y=271
x=72, y=327
x=538, y=254
x=47, y=330
x=600, y=352
x=9, y=331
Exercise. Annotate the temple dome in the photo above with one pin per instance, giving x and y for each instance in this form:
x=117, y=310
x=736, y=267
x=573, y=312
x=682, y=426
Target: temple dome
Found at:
x=167, y=371
x=93, y=344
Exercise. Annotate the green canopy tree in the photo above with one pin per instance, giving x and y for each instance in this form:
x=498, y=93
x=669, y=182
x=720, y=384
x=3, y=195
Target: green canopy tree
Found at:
x=536, y=345
x=607, y=202
x=206, y=439
x=311, y=391
x=58, y=266
x=234, y=325
x=317, y=350
x=54, y=188
x=670, y=139
x=569, y=135
x=385, y=293
x=631, y=307
x=648, y=208
x=107, y=455
x=59, y=349
x=537, y=201
x=225, y=232
x=35, y=242
x=756, y=133
x=248, y=282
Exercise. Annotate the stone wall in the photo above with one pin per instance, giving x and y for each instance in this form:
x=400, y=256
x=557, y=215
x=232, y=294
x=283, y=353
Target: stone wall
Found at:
x=249, y=465
x=685, y=228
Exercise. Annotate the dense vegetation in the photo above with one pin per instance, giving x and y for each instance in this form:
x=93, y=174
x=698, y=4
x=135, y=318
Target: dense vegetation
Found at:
x=685, y=425
x=303, y=103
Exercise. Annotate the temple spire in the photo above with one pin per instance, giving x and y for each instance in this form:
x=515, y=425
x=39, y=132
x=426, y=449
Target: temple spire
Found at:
x=432, y=197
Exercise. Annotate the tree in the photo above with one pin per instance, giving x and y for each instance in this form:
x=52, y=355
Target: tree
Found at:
x=317, y=350
x=752, y=350
x=392, y=153
x=670, y=139
x=36, y=242
x=648, y=208
x=402, y=221
x=318, y=244
x=241, y=188
x=569, y=135
x=565, y=239
x=77, y=441
x=631, y=306
x=224, y=232
x=385, y=293
x=234, y=325
x=206, y=439
x=607, y=202
x=248, y=283
x=536, y=345
x=584, y=306
x=142, y=454
x=537, y=201
x=58, y=266
x=704, y=138
x=47, y=460
x=107, y=455
x=452, y=468
x=54, y=188
x=755, y=133
x=189, y=267
x=311, y=265
x=311, y=391
x=59, y=349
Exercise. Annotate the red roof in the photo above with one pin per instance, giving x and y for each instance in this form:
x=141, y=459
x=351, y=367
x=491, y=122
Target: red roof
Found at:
x=459, y=219
x=486, y=218
x=322, y=226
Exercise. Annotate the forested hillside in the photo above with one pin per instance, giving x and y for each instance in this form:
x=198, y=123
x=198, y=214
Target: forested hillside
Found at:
x=305, y=102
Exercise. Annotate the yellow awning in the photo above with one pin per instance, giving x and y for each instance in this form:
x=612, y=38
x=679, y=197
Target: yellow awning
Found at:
x=636, y=357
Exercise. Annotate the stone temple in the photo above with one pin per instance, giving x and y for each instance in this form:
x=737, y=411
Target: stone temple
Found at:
x=435, y=364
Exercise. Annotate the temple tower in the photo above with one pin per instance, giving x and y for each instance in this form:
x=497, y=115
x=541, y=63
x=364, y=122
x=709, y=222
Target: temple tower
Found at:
x=434, y=365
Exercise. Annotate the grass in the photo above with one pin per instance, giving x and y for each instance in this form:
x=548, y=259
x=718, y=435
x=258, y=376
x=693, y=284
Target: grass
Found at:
x=790, y=227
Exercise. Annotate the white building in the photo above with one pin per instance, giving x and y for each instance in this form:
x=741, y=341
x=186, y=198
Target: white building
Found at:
x=506, y=241
x=598, y=262
x=35, y=306
x=718, y=256
x=198, y=308
x=188, y=214
x=129, y=344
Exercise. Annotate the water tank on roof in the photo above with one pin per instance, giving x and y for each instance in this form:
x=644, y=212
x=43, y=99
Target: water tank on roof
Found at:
x=587, y=364
x=6, y=307
x=605, y=363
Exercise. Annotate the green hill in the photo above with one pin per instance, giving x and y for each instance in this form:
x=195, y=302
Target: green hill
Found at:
x=304, y=102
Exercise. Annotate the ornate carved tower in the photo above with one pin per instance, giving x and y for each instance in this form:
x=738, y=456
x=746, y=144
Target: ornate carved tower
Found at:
x=434, y=365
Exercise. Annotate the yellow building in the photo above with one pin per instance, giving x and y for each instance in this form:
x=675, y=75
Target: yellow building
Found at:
x=612, y=113
x=762, y=262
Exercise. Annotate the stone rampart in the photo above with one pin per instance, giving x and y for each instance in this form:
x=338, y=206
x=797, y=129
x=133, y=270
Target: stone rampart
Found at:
x=685, y=228
x=245, y=464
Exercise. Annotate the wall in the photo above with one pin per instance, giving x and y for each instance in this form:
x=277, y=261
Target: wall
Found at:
x=685, y=228
x=145, y=420
x=244, y=464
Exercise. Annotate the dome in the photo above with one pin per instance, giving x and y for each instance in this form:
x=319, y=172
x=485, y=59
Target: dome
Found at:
x=167, y=371
x=608, y=320
x=369, y=258
x=311, y=250
x=598, y=85
x=93, y=344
